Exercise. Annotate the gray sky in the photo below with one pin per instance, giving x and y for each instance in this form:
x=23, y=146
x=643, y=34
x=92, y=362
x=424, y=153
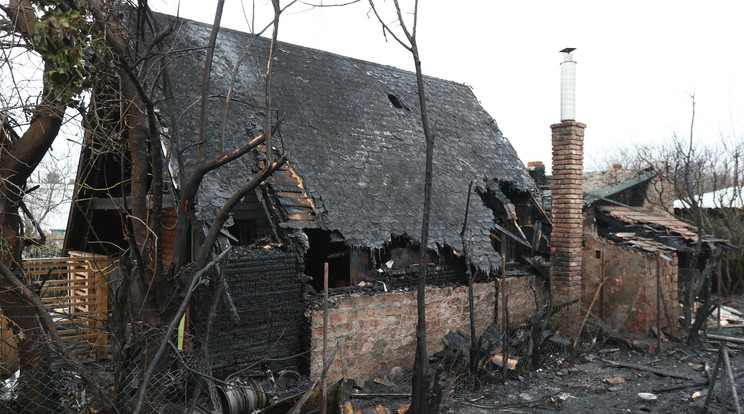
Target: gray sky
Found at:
x=638, y=61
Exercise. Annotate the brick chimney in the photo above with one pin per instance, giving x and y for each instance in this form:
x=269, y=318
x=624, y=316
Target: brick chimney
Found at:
x=536, y=169
x=566, y=238
x=567, y=193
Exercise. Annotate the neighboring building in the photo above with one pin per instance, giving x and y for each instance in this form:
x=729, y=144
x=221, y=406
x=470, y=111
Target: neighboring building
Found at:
x=632, y=247
x=643, y=188
x=642, y=254
x=730, y=197
x=351, y=195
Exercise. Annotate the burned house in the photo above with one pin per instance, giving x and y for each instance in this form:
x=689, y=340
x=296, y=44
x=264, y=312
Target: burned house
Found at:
x=349, y=197
x=644, y=258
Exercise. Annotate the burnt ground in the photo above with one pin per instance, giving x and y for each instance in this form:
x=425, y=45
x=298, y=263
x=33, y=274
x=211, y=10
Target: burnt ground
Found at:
x=585, y=382
x=582, y=381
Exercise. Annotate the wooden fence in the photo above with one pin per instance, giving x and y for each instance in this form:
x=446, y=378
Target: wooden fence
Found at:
x=75, y=292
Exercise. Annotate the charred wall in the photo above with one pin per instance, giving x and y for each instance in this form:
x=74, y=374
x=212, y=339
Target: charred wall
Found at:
x=447, y=273
x=267, y=291
x=629, y=300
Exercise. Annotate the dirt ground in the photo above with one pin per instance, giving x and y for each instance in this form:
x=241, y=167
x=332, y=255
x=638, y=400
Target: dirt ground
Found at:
x=583, y=381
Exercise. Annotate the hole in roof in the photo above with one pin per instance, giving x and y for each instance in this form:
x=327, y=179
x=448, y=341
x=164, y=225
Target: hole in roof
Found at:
x=397, y=102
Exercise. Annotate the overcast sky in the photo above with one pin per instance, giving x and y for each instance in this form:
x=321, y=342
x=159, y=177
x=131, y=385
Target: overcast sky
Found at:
x=638, y=61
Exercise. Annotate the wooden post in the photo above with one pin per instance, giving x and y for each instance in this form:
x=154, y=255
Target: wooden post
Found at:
x=101, y=288
x=504, y=298
x=8, y=348
x=658, y=302
x=602, y=276
x=324, y=374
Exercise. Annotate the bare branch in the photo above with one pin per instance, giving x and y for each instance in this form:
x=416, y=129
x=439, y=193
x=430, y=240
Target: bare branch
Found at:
x=321, y=5
x=386, y=28
x=195, y=279
x=207, y=71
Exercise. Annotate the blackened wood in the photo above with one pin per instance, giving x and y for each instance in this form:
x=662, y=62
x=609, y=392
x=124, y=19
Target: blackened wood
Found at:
x=657, y=371
x=731, y=380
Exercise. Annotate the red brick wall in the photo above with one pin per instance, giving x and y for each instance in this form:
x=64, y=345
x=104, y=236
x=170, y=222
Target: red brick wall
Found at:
x=520, y=299
x=629, y=300
x=376, y=333
x=565, y=239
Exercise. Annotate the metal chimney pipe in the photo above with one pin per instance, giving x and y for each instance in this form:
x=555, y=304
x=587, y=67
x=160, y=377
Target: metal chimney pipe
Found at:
x=568, y=87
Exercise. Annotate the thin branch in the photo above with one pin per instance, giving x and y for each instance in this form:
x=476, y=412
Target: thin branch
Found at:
x=235, y=75
x=267, y=86
x=402, y=22
x=386, y=28
x=224, y=213
x=208, y=70
x=195, y=279
x=321, y=5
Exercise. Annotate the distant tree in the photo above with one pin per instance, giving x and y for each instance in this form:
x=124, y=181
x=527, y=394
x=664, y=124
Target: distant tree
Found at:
x=695, y=167
x=49, y=193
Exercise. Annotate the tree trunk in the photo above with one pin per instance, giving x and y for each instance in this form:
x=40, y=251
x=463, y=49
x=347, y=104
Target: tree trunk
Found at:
x=18, y=159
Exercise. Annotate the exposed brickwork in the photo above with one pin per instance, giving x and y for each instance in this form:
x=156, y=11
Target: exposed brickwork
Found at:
x=565, y=240
x=520, y=298
x=376, y=333
x=629, y=300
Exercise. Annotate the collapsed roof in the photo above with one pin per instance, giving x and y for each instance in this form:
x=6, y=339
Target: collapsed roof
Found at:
x=352, y=132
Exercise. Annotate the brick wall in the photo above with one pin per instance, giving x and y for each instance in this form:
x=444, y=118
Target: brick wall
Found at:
x=376, y=333
x=520, y=298
x=629, y=299
x=566, y=236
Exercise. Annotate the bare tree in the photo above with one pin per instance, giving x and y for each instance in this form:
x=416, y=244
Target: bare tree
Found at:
x=48, y=196
x=110, y=69
x=423, y=399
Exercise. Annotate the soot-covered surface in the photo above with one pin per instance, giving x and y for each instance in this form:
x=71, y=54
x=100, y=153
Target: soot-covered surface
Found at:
x=352, y=132
x=266, y=289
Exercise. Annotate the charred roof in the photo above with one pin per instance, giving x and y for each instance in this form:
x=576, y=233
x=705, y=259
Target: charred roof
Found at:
x=352, y=132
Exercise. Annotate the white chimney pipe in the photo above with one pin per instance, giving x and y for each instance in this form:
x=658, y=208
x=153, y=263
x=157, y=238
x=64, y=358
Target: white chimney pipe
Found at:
x=568, y=88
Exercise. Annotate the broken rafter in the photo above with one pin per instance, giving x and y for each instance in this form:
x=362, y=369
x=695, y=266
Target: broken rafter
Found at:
x=588, y=312
x=731, y=381
x=512, y=235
